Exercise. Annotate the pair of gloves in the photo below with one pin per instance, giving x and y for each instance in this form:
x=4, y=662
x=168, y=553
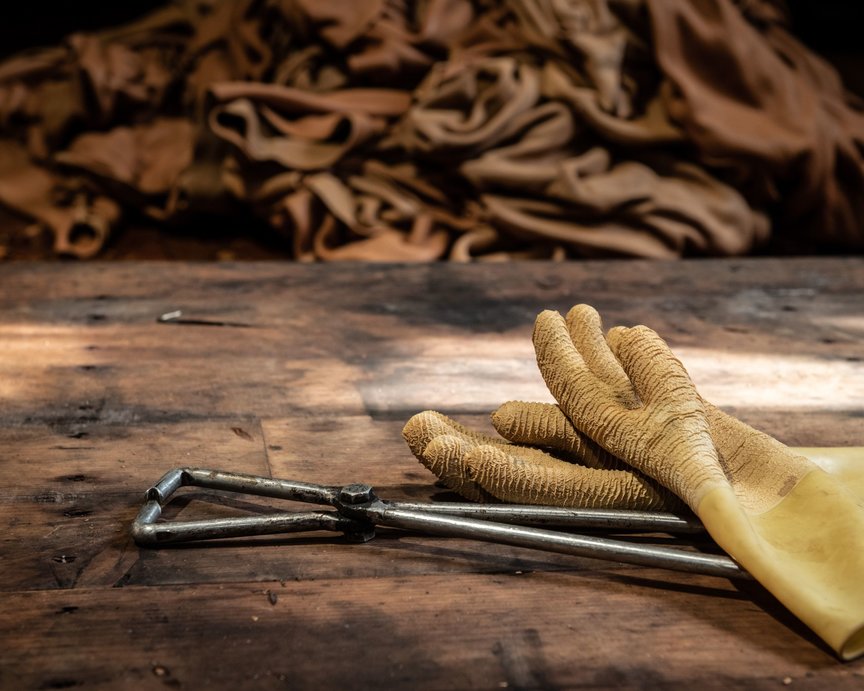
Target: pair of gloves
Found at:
x=630, y=431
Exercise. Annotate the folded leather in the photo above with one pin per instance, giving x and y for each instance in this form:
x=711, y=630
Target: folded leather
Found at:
x=546, y=129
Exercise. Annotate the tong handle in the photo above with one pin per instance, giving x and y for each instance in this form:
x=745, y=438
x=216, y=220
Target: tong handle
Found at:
x=146, y=530
x=153, y=534
x=383, y=513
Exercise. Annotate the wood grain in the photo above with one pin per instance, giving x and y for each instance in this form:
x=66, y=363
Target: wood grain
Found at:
x=312, y=379
x=518, y=630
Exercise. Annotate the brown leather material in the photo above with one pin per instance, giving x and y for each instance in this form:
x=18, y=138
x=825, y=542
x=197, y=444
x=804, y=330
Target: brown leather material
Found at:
x=766, y=109
x=448, y=129
x=307, y=143
x=474, y=108
x=79, y=218
x=148, y=158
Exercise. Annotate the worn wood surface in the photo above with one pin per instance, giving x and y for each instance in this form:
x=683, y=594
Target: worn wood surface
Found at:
x=311, y=377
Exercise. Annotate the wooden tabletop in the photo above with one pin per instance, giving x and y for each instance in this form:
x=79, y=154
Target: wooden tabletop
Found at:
x=308, y=372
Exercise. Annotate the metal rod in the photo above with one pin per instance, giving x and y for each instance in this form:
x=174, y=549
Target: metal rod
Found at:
x=553, y=516
x=243, y=526
x=260, y=486
x=176, y=317
x=381, y=513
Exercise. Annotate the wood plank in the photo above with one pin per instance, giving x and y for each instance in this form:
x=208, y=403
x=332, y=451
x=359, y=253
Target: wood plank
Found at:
x=142, y=375
x=531, y=630
x=87, y=348
x=48, y=467
x=746, y=286
x=69, y=500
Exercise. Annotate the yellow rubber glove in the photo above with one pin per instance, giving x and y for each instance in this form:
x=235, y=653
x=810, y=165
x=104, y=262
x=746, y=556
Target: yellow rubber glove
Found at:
x=796, y=528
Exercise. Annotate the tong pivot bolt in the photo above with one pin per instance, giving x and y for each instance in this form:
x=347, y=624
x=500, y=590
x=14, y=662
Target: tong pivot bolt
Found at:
x=356, y=494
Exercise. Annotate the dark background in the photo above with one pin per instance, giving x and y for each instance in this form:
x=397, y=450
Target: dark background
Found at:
x=29, y=23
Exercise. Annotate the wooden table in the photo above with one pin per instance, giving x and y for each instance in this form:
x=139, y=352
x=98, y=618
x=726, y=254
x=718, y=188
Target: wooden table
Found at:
x=311, y=376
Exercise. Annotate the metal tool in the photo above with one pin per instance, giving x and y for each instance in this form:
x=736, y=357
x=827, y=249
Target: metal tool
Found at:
x=177, y=317
x=359, y=510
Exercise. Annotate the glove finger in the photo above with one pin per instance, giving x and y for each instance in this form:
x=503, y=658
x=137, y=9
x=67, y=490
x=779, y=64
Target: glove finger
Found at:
x=425, y=426
x=655, y=373
x=672, y=442
x=445, y=457
x=558, y=483
x=586, y=331
x=586, y=399
x=440, y=443
x=544, y=424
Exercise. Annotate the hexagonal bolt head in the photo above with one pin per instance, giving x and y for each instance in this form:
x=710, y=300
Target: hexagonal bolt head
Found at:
x=356, y=494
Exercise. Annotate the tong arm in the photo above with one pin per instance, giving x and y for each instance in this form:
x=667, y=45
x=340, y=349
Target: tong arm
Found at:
x=393, y=514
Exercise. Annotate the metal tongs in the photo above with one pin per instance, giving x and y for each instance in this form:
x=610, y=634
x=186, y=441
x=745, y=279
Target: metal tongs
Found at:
x=359, y=511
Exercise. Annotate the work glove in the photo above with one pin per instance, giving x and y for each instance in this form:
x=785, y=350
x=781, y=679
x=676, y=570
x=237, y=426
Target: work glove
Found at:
x=796, y=528
x=625, y=399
